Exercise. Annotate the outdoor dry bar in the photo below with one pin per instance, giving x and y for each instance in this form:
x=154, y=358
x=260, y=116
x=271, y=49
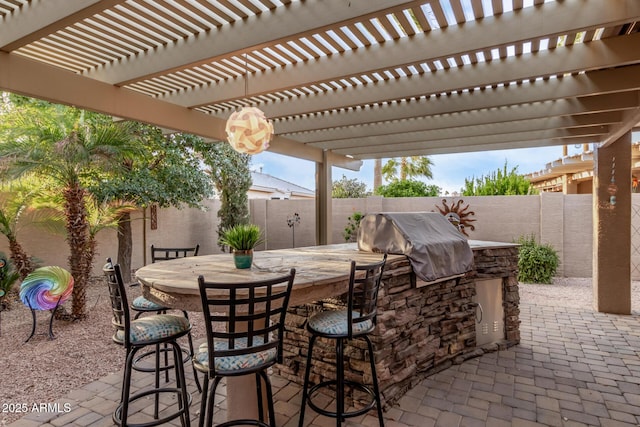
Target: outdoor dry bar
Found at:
x=469, y=307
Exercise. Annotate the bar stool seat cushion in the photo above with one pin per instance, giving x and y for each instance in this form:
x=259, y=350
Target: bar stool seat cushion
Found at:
x=234, y=363
x=156, y=327
x=335, y=323
x=142, y=304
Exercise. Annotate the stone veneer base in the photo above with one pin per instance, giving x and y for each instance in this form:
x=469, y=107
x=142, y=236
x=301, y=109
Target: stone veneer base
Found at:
x=420, y=331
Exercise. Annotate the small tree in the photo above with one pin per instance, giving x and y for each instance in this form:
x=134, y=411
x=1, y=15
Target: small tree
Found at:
x=408, y=188
x=232, y=178
x=349, y=188
x=500, y=183
x=166, y=172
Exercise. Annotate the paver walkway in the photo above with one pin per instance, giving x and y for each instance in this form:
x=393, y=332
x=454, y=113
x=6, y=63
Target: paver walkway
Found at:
x=572, y=368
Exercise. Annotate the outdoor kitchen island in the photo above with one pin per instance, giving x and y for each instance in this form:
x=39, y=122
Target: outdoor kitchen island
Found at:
x=422, y=327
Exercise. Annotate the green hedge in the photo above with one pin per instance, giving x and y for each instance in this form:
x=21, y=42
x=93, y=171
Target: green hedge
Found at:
x=537, y=263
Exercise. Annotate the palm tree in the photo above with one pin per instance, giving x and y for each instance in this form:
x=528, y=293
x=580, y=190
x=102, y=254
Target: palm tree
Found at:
x=377, y=174
x=15, y=198
x=71, y=148
x=395, y=170
x=8, y=223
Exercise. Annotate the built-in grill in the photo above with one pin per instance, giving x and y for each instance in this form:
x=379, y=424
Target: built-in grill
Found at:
x=435, y=248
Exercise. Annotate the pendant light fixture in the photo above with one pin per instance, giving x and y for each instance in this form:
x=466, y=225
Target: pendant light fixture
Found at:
x=248, y=130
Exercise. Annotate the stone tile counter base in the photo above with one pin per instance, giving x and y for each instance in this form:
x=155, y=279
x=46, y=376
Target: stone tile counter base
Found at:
x=420, y=331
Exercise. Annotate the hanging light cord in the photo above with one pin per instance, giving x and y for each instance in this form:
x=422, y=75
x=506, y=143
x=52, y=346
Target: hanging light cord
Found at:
x=246, y=76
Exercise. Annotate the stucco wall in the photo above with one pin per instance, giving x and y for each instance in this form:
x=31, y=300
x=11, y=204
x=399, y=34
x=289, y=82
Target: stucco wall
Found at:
x=564, y=221
x=182, y=228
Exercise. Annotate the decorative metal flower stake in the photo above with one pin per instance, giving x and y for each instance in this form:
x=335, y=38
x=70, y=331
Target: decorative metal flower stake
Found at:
x=292, y=221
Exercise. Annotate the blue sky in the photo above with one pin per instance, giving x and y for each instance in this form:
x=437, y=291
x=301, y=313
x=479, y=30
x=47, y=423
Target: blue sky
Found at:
x=449, y=170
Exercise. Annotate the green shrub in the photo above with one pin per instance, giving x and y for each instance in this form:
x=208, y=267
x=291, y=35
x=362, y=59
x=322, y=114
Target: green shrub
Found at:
x=351, y=230
x=408, y=188
x=537, y=263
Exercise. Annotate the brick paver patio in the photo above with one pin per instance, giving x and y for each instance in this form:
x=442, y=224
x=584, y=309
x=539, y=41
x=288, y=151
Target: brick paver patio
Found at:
x=572, y=368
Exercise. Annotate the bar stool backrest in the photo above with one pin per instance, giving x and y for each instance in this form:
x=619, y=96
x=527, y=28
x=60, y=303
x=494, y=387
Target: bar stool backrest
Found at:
x=164, y=254
x=364, y=286
x=119, y=303
x=245, y=318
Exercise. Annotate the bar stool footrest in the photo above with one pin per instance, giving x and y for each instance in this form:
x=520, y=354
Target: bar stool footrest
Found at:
x=244, y=423
x=326, y=384
x=117, y=414
x=136, y=362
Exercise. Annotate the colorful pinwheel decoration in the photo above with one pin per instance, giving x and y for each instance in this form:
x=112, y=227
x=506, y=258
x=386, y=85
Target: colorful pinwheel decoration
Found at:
x=46, y=288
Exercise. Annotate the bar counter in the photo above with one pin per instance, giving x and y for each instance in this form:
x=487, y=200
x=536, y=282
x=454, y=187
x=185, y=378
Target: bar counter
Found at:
x=321, y=271
x=422, y=327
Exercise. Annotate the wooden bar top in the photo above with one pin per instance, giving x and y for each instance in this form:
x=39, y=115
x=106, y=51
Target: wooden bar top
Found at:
x=321, y=271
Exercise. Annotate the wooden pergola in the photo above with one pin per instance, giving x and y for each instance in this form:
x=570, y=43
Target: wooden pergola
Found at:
x=342, y=80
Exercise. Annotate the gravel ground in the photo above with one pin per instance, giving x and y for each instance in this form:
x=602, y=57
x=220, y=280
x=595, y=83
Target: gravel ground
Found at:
x=569, y=292
x=43, y=370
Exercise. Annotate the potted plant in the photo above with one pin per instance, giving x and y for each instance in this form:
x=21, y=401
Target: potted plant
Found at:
x=242, y=239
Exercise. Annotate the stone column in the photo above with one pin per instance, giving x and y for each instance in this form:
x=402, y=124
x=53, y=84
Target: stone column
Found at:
x=612, y=227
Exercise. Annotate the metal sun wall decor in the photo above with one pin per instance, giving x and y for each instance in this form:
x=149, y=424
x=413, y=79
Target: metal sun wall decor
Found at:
x=458, y=215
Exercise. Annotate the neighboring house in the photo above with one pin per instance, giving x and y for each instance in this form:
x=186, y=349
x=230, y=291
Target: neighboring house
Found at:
x=269, y=187
x=574, y=174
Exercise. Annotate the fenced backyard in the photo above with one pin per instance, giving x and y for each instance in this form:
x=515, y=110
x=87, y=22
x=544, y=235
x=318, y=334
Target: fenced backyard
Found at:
x=564, y=221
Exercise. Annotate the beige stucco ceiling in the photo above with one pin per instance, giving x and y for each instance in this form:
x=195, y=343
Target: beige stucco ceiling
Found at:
x=354, y=80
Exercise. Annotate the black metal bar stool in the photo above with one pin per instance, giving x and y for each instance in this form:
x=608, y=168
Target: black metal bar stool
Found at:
x=245, y=330
x=137, y=334
x=142, y=305
x=356, y=321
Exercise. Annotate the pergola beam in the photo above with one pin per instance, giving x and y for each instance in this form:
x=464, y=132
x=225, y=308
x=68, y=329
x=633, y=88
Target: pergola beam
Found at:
x=47, y=18
x=30, y=78
x=589, y=87
x=472, y=123
x=335, y=122
x=392, y=143
x=630, y=120
x=607, y=53
x=428, y=151
x=254, y=32
x=516, y=27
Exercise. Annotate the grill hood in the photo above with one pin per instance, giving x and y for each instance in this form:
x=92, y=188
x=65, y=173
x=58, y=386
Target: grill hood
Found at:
x=435, y=248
